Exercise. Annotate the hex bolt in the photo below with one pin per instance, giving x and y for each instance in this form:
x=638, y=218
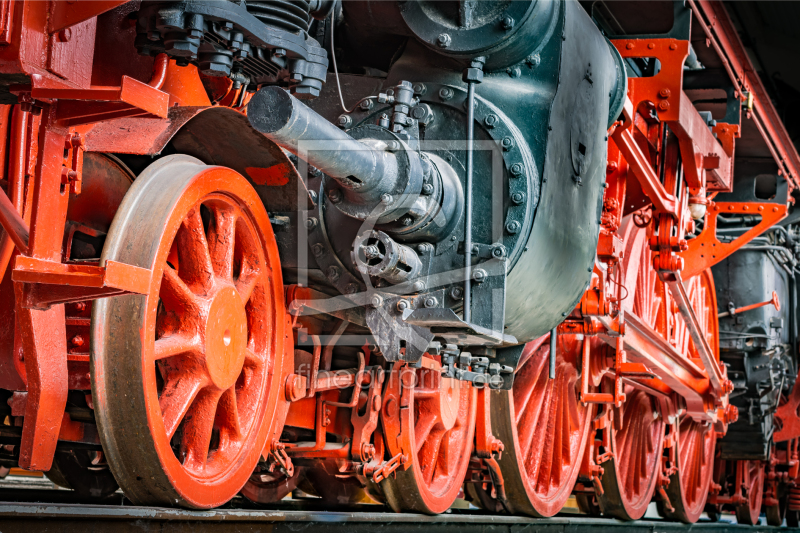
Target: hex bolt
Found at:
x=431, y=301
x=333, y=273
x=507, y=143
x=518, y=198
x=418, y=286
x=490, y=121
x=663, y=106
x=403, y=304
x=664, y=93
x=366, y=105
x=392, y=146
x=517, y=169
x=427, y=189
x=318, y=249
x=311, y=223
x=420, y=88
x=456, y=293
x=514, y=72
x=376, y=300
x=335, y=195
x=445, y=93
x=533, y=61
x=352, y=288
x=80, y=307
x=512, y=227
x=443, y=40
x=77, y=341
x=479, y=275
x=386, y=199
x=406, y=221
x=499, y=251
x=424, y=248
x=508, y=23
x=344, y=121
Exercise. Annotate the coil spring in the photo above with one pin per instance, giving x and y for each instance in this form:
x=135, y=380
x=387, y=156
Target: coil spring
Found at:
x=794, y=498
x=291, y=15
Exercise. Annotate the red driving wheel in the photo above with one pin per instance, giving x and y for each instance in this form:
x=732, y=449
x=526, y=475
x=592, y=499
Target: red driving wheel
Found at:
x=751, y=475
x=637, y=427
x=544, y=427
x=187, y=378
x=435, y=433
x=688, y=487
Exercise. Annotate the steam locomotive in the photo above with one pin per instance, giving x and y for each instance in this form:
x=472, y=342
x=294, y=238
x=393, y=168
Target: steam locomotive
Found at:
x=525, y=263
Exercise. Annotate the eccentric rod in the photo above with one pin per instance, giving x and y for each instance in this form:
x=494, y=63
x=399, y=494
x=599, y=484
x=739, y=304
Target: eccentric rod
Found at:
x=298, y=128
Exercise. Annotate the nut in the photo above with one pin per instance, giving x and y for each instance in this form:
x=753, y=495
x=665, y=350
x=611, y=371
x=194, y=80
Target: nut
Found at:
x=508, y=23
x=418, y=286
x=445, y=93
x=512, y=227
x=376, y=300
x=403, y=304
x=430, y=302
x=479, y=275
x=444, y=40
x=344, y=121
x=490, y=121
x=311, y=223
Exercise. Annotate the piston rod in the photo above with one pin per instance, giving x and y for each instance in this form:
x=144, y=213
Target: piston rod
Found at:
x=296, y=127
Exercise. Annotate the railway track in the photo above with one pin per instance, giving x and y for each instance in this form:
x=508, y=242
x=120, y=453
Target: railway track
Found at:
x=33, y=504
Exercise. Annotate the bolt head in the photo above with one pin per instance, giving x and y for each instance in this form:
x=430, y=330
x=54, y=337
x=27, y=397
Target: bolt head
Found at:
x=490, y=121
x=512, y=227
x=507, y=143
x=402, y=305
x=366, y=105
x=376, y=300
x=445, y=93
x=418, y=286
x=479, y=275
x=386, y=199
x=456, y=293
x=392, y=146
x=424, y=247
x=311, y=223
x=444, y=40
x=427, y=189
x=663, y=106
x=344, y=121
x=318, y=250
x=518, y=198
x=420, y=89
x=430, y=302
x=516, y=169
x=335, y=195
x=352, y=288
x=508, y=23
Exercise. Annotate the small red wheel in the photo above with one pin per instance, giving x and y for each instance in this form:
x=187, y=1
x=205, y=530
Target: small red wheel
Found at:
x=435, y=433
x=544, y=426
x=688, y=487
x=637, y=428
x=187, y=379
x=751, y=475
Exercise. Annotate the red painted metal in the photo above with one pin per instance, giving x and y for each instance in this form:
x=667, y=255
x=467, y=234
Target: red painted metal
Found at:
x=722, y=35
x=430, y=420
x=545, y=427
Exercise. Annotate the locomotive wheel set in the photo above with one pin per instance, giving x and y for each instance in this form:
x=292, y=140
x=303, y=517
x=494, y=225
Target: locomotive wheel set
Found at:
x=526, y=264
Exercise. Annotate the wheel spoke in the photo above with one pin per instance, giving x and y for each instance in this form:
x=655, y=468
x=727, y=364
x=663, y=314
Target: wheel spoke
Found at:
x=176, y=398
x=436, y=443
x=228, y=415
x=198, y=428
x=176, y=344
x=247, y=283
x=175, y=294
x=221, y=241
x=195, y=261
x=423, y=428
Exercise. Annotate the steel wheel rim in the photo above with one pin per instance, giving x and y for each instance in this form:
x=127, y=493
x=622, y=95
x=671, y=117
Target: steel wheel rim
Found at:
x=204, y=356
x=629, y=481
x=749, y=512
x=440, y=424
x=536, y=416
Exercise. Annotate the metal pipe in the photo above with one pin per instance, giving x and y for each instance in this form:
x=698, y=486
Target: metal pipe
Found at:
x=159, y=71
x=468, y=206
x=553, y=340
x=297, y=128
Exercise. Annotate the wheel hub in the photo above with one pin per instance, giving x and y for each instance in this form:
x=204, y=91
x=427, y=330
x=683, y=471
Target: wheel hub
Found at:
x=225, y=338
